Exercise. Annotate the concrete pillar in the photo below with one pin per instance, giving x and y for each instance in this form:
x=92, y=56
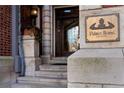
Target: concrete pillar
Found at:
x=98, y=64
x=46, y=35
x=31, y=55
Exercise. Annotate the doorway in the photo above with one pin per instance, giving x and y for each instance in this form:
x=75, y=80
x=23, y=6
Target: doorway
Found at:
x=66, y=30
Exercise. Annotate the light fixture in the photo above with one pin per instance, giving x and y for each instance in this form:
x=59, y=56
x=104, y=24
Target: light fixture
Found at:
x=34, y=11
x=34, y=14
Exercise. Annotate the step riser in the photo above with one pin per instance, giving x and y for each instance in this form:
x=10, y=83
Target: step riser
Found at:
x=55, y=61
x=50, y=69
x=38, y=79
x=51, y=74
x=61, y=70
x=25, y=85
x=60, y=58
x=44, y=83
x=53, y=68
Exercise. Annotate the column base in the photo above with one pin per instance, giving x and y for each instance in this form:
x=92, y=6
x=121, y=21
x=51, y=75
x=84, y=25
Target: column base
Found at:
x=45, y=59
x=32, y=64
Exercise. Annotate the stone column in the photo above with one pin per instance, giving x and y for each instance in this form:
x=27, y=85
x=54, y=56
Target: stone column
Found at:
x=98, y=64
x=31, y=54
x=46, y=35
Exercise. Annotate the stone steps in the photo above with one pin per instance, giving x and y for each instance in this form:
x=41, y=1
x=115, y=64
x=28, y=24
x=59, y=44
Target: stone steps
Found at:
x=58, y=60
x=53, y=68
x=51, y=74
x=29, y=85
x=42, y=82
x=26, y=85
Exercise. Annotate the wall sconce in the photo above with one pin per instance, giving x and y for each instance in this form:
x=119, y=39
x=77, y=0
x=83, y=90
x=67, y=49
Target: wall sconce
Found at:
x=34, y=14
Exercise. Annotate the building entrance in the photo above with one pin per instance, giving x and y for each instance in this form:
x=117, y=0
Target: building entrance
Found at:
x=66, y=31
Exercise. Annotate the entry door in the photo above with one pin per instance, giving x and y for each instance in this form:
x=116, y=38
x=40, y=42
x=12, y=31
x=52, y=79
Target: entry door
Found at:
x=66, y=19
x=59, y=38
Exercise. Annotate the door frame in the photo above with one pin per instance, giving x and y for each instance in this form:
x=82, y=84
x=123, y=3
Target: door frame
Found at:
x=53, y=24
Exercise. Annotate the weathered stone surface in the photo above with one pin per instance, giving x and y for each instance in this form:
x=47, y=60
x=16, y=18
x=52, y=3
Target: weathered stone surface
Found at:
x=46, y=19
x=46, y=49
x=92, y=64
x=30, y=46
x=31, y=54
x=46, y=13
x=98, y=53
x=113, y=86
x=32, y=64
x=6, y=61
x=100, y=66
x=33, y=85
x=46, y=25
x=78, y=85
x=45, y=58
x=46, y=7
x=103, y=11
x=87, y=7
x=7, y=75
x=39, y=80
x=52, y=74
x=47, y=31
x=46, y=43
x=46, y=37
x=5, y=85
x=53, y=68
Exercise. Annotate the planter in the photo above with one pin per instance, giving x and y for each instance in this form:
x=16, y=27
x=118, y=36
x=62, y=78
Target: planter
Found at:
x=31, y=39
x=33, y=32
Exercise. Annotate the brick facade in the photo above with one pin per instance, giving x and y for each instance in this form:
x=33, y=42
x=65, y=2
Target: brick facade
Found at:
x=5, y=31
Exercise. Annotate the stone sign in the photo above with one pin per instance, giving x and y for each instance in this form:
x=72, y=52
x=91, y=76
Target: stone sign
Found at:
x=102, y=28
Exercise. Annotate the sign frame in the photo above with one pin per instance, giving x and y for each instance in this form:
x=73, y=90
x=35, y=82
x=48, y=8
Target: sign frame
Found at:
x=115, y=40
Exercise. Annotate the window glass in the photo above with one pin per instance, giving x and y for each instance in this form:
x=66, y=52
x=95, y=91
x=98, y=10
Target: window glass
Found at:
x=73, y=38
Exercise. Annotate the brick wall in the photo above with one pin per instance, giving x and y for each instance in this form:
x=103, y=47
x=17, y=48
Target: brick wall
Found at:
x=5, y=31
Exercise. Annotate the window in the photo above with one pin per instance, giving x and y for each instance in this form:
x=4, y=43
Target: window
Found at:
x=73, y=38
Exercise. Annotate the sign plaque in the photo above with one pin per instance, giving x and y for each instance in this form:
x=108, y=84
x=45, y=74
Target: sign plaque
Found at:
x=102, y=28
